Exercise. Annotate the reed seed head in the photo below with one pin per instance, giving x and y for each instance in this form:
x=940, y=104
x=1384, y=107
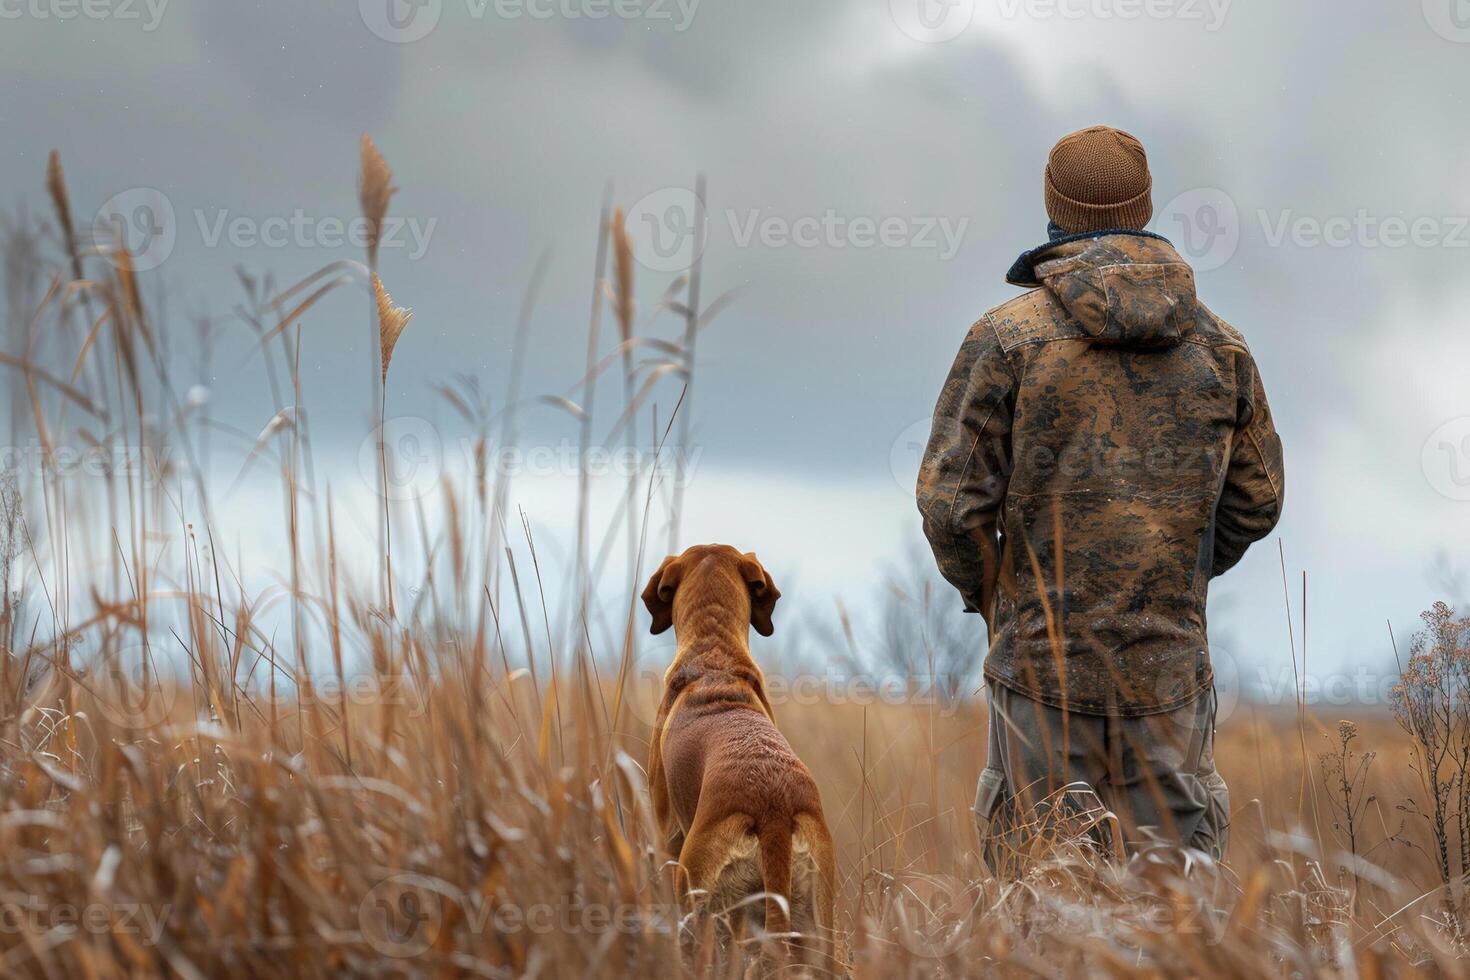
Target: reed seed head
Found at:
x=374, y=190
x=623, y=270
x=391, y=321
x=60, y=200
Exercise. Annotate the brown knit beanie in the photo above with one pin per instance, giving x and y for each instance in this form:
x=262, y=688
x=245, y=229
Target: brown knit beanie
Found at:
x=1097, y=178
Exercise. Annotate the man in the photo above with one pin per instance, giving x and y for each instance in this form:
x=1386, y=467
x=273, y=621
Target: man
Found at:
x=1101, y=450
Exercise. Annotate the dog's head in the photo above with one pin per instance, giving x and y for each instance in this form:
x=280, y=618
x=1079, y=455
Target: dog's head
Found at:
x=711, y=568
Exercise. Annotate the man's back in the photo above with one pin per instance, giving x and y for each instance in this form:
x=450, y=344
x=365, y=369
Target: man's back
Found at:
x=1101, y=449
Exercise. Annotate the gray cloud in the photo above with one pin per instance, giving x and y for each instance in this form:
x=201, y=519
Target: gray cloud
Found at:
x=504, y=132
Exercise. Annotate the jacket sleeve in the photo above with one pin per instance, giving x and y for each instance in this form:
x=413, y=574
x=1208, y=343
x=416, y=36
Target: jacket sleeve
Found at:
x=1250, y=500
x=963, y=477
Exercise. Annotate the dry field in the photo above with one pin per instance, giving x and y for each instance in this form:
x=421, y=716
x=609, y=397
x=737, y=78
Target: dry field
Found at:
x=455, y=829
x=438, y=772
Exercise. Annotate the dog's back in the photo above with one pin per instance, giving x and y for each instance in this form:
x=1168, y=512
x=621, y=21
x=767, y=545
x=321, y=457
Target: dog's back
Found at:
x=719, y=744
x=740, y=811
x=731, y=768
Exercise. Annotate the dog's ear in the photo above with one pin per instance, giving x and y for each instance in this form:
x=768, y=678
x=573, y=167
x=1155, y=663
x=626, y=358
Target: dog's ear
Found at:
x=763, y=593
x=658, y=595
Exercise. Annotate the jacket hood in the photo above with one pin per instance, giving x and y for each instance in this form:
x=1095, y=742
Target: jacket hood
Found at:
x=1125, y=288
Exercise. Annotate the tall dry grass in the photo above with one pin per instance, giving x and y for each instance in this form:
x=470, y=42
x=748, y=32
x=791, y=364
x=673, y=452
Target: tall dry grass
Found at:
x=310, y=780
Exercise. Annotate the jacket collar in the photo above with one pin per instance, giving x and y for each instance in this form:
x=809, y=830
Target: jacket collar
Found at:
x=1023, y=270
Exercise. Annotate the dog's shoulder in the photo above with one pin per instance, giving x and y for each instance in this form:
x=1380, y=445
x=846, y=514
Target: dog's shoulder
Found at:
x=698, y=684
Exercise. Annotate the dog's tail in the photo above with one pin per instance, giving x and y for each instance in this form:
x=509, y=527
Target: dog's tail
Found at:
x=775, y=845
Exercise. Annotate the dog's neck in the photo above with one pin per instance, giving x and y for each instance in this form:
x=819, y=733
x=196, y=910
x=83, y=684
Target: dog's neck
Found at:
x=712, y=619
x=712, y=613
x=712, y=631
x=712, y=627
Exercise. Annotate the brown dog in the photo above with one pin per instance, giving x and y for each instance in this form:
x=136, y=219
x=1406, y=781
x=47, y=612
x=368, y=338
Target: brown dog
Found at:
x=737, y=807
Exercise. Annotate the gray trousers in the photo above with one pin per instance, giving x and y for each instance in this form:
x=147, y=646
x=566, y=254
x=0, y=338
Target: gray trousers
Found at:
x=1156, y=773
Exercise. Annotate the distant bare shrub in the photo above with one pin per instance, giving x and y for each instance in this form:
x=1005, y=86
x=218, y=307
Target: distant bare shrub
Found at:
x=1431, y=703
x=1345, y=772
x=924, y=631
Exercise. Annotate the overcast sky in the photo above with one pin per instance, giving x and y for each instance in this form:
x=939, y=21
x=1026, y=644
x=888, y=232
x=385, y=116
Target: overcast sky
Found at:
x=1309, y=157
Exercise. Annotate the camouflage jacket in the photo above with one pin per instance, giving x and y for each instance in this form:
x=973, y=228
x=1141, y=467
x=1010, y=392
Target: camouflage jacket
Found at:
x=1102, y=449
